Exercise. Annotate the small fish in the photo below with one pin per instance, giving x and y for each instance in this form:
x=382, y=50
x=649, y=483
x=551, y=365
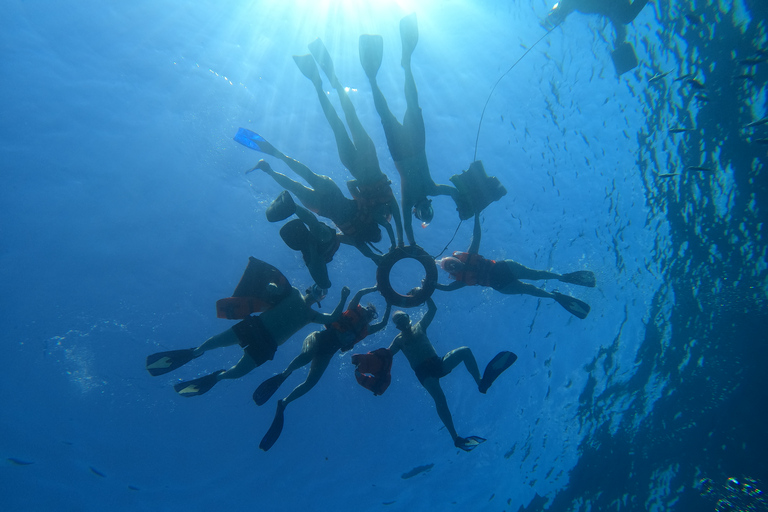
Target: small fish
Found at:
x=657, y=77
x=762, y=141
x=702, y=97
x=415, y=471
x=684, y=77
x=387, y=502
x=96, y=472
x=693, y=19
x=18, y=462
x=757, y=123
x=133, y=488
x=668, y=174
x=745, y=76
x=681, y=130
x=700, y=169
x=753, y=61
x=696, y=84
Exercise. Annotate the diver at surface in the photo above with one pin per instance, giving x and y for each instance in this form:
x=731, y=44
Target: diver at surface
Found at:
x=619, y=12
x=469, y=268
x=430, y=368
x=317, y=350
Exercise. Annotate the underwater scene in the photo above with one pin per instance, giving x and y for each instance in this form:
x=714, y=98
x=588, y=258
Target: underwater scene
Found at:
x=384, y=255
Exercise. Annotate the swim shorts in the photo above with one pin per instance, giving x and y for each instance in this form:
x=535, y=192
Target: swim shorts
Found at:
x=255, y=339
x=432, y=367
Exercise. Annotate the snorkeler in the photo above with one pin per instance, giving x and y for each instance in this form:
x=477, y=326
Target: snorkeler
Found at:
x=316, y=241
x=619, y=12
x=469, y=268
x=323, y=198
x=430, y=368
x=259, y=336
x=358, y=154
x=406, y=141
x=317, y=350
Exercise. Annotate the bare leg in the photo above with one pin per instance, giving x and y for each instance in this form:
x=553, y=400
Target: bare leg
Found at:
x=319, y=364
x=462, y=355
x=224, y=339
x=432, y=385
x=243, y=367
x=523, y=272
x=518, y=288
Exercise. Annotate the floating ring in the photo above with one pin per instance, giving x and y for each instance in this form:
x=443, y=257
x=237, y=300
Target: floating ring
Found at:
x=417, y=296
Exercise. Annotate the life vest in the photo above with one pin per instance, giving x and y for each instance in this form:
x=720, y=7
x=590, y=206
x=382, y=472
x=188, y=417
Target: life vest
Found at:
x=374, y=194
x=329, y=250
x=351, y=327
x=477, y=270
x=373, y=370
x=357, y=225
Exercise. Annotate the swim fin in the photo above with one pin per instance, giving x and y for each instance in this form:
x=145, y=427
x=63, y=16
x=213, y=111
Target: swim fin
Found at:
x=409, y=36
x=624, y=58
x=249, y=139
x=164, y=362
x=270, y=438
x=574, y=306
x=496, y=367
x=580, y=277
x=371, y=53
x=281, y=208
x=267, y=388
x=478, y=188
x=320, y=53
x=308, y=68
x=198, y=386
x=468, y=443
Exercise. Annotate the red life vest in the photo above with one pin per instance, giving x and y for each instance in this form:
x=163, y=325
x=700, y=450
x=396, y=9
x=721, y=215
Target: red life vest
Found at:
x=351, y=327
x=477, y=270
x=373, y=370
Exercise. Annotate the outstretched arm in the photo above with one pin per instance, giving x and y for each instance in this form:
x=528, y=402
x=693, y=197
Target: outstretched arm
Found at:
x=379, y=326
x=450, y=287
x=474, y=246
x=394, y=347
x=359, y=295
x=325, y=318
x=429, y=315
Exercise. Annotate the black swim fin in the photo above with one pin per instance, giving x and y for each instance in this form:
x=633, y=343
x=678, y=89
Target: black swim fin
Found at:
x=574, y=306
x=308, y=68
x=580, y=277
x=409, y=35
x=496, y=367
x=267, y=388
x=624, y=58
x=468, y=443
x=270, y=438
x=164, y=362
x=320, y=53
x=371, y=49
x=281, y=208
x=198, y=386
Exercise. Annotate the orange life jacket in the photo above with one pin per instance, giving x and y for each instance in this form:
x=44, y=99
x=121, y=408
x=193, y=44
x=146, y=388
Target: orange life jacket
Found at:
x=477, y=270
x=351, y=327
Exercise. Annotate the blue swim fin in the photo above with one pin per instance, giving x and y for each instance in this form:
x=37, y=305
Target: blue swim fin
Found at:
x=496, y=367
x=267, y=388
x=198, y=386
x=270, y=438
x=248, y=139
x=468, y=443
x=164, y=362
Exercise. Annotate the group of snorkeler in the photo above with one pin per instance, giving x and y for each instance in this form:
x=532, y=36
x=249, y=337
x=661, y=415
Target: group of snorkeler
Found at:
x=284, y=310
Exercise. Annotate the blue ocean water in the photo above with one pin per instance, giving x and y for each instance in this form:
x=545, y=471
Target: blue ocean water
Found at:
x=127, y=213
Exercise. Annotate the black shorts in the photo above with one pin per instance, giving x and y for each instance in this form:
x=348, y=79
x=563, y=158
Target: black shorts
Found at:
x=432, y=367
x=255, y=339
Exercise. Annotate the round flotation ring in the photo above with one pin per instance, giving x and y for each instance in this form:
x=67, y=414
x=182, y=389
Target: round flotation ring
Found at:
x=420, y=295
